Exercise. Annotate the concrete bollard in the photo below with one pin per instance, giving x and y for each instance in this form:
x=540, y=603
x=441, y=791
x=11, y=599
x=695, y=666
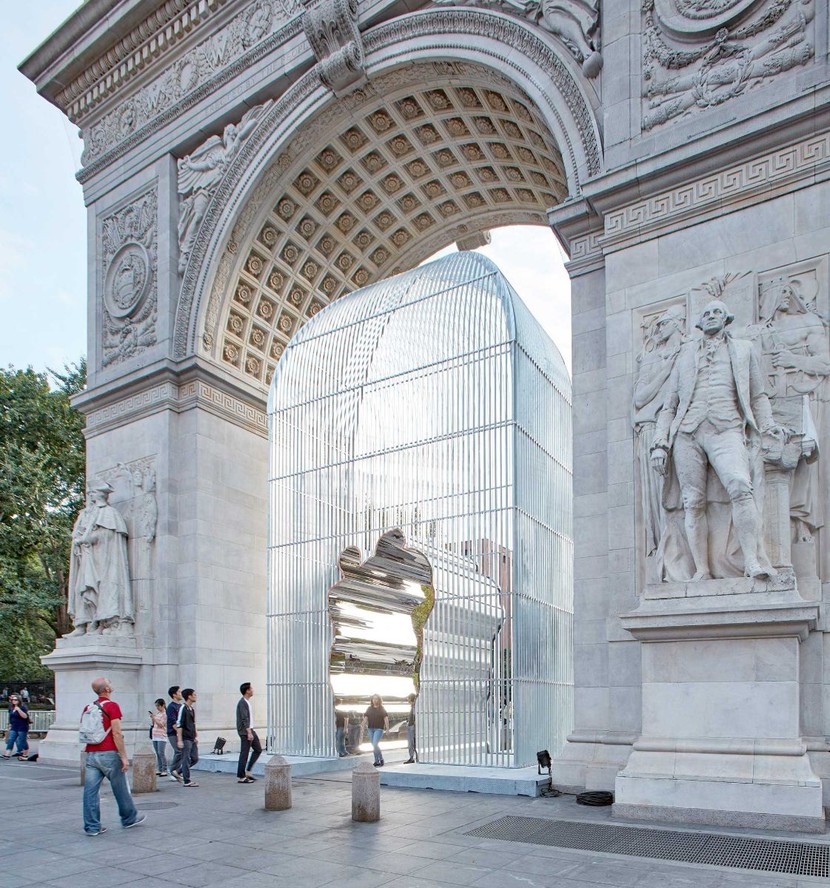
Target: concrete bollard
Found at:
x=83, y=765
x=277, y=784
x=144, y=770
x=365, y=793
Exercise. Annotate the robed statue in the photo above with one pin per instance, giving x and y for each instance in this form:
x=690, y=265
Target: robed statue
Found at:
x=100, y=594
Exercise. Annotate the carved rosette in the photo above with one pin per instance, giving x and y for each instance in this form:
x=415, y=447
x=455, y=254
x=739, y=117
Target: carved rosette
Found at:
x=129, y=261
x=699, y=54
x=331, y=29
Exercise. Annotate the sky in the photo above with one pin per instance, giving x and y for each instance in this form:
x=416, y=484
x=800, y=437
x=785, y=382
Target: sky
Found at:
x=43, y=244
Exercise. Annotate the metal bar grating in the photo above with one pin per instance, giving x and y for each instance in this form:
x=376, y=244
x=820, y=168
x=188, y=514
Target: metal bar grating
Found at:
x=769, y=855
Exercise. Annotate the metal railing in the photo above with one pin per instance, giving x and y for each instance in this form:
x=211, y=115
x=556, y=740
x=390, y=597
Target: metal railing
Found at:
x=40, y=720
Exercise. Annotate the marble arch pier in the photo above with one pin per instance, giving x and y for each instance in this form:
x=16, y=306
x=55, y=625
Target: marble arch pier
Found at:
x=247, y=162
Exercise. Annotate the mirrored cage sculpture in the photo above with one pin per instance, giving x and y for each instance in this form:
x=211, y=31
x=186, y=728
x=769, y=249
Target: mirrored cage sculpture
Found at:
x=430, y=410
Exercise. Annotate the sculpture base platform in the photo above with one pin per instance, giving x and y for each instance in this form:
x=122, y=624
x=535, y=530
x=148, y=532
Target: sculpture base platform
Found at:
x=721, y=739
x=76, y=662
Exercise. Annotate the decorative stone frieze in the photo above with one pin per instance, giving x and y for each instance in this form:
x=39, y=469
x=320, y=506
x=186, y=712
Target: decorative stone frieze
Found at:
x=575, y=22
x=129, y=285
x=699, y=54
x=177, y=397
x=741, y=184
x=331, y=28
x=174, y=21
x=252, y=34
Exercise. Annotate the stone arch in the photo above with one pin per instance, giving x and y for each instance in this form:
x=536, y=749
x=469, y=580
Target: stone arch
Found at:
x=542, y=89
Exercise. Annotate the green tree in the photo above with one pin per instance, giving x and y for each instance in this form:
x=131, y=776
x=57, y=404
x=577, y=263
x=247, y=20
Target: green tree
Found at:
x=41, y=493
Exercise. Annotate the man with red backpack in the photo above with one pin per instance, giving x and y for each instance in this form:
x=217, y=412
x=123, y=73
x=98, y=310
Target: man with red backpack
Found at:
x=106, y=757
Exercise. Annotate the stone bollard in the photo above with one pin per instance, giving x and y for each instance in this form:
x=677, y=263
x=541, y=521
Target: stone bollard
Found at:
x=83, y=765
x=277, y=784
x=365, y=793
x=144, y=770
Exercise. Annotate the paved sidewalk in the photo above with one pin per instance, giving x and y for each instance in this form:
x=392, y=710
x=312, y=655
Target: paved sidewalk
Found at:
x=218, y=834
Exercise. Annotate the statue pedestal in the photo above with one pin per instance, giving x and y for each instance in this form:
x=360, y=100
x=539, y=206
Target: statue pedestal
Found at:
x=76, y=662
x=721, y=739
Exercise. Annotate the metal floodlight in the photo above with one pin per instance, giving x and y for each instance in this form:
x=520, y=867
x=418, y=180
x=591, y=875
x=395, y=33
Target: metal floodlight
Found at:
x=543, y=760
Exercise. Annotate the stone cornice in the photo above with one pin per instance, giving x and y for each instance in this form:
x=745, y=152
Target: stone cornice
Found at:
x=105, y=44
x=169, y=25
x=692, y=183
x=733, y=187
x=101, y=161
x=167, y=385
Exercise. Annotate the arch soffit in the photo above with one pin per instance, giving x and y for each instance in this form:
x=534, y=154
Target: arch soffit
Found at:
x=504, y=44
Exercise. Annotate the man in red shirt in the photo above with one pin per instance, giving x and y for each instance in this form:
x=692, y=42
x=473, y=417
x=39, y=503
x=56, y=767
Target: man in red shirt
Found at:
x=108, y=759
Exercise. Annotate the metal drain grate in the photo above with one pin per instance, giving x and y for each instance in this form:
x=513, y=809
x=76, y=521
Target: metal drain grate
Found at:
x=156, y=806
x=796, y=858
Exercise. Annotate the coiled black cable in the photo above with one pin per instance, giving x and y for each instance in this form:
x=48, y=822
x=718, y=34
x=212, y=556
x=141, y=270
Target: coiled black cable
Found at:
x=595, y=798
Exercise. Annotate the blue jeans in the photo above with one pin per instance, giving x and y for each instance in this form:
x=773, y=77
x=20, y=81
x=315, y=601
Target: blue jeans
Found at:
x=160, y=747
x=176, y=764
x=98, y=766
x=410, y=739
x=190, y=755
x=19, y=737
x=375, y=735
x=340, y=740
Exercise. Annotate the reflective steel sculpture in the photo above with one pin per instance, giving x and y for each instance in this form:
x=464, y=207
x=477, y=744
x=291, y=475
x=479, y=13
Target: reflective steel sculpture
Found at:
x=428, y=416
x=378, y=609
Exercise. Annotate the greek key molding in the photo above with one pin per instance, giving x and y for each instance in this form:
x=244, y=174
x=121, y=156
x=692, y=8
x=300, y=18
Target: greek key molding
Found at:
x=226, y=404
x=740, y=182
x=142, y=402
x=177, y=397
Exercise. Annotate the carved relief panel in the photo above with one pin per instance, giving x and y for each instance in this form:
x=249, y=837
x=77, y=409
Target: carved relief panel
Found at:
x=712, y=508
x=128, y=278
x=699, y=54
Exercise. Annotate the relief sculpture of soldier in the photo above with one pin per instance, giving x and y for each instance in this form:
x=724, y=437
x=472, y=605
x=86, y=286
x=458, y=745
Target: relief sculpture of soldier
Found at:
x=663, y=338
x=100, y=595
x=715, y=412
x=796, y=356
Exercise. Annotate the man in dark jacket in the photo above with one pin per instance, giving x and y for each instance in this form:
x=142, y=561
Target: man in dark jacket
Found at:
x=187, y=736
x=249, y=742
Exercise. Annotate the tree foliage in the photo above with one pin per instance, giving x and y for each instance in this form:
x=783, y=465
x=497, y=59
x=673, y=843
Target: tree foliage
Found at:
x=41, y=493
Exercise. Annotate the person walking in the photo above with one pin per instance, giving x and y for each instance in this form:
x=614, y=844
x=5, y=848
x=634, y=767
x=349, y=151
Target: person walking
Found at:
x=377, y=721
x=249, y=742
x=173, y=708
x=18, y=732
x=410, y=731
x=107, y=759
x=187, y=737
x=341, y=721
x=158, y=734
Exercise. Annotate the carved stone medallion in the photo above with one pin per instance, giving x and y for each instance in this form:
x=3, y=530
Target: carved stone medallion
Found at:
x=128, y=280
x=129, y=290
